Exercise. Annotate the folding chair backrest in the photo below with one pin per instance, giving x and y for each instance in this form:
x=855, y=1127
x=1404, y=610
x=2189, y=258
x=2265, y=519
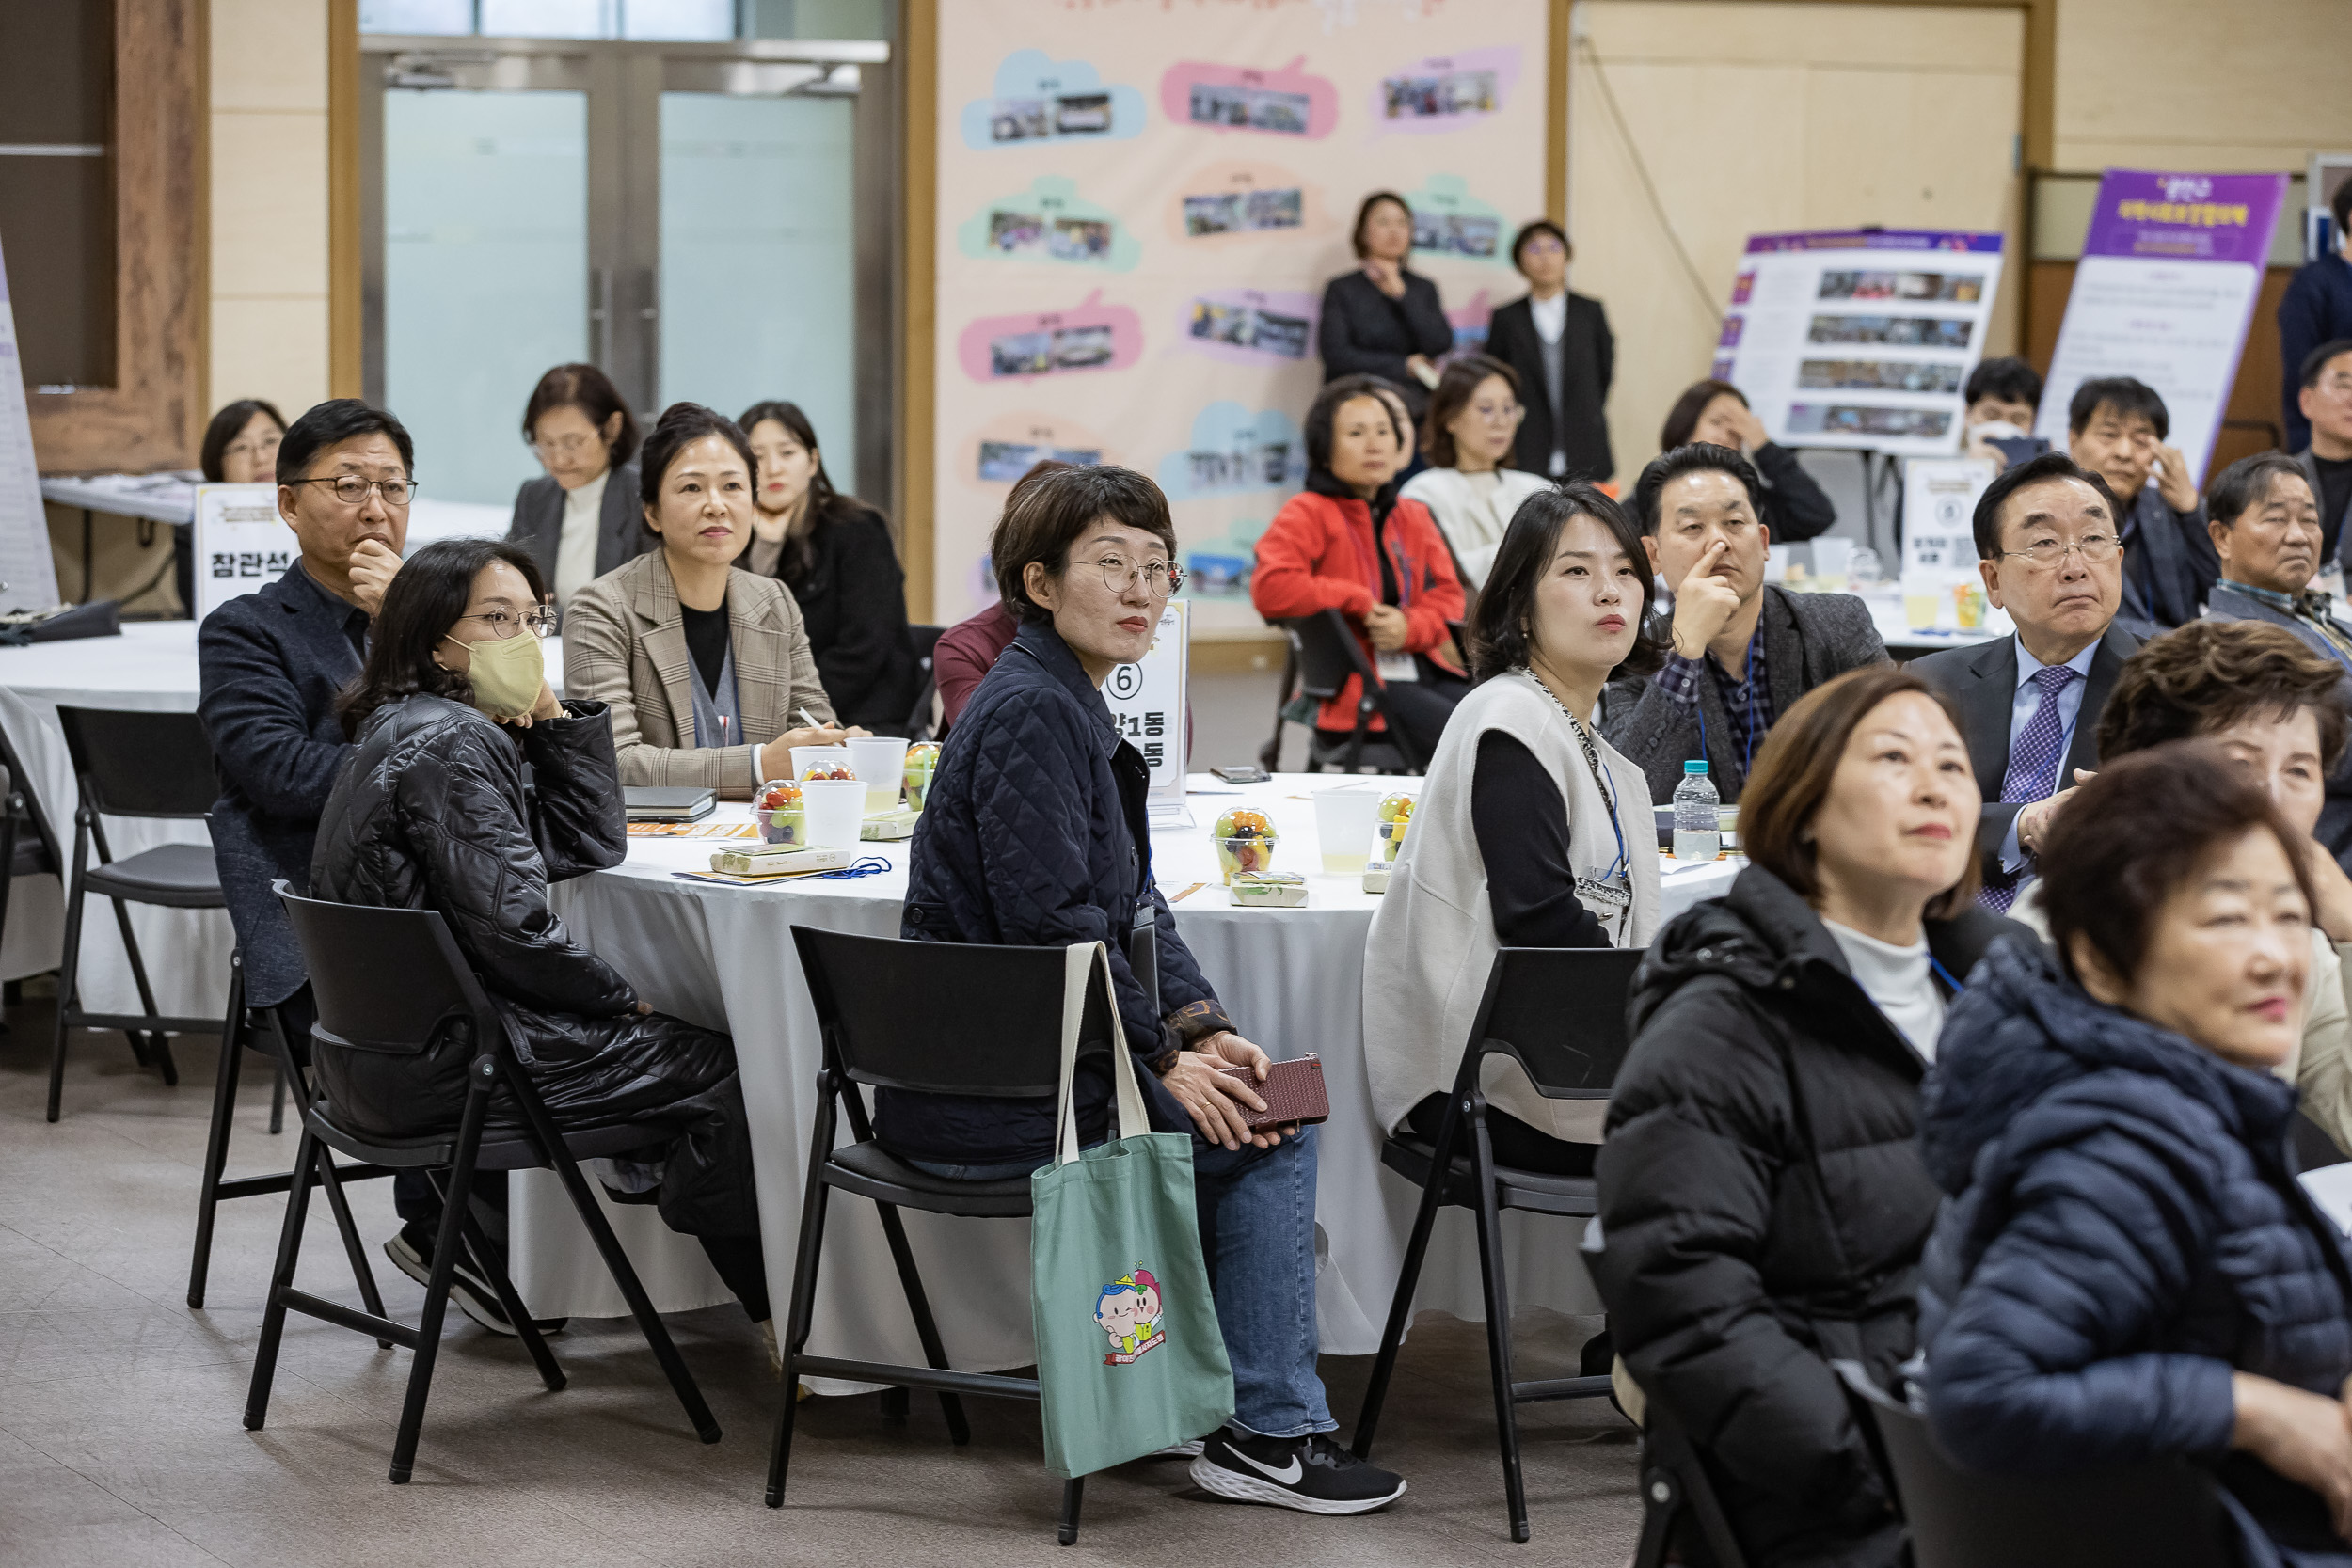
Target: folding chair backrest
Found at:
x=1560, y=1013
x=2120, y=1517
x=1327, y=654
x=384, y=979
x=141, y=763
x=943, y=1017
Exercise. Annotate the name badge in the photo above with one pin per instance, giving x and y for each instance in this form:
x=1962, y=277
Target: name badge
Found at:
x=1592, y=890
x=1396, y=667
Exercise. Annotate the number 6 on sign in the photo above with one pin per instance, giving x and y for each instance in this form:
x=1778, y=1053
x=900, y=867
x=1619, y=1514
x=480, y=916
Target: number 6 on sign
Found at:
x=1147, y=700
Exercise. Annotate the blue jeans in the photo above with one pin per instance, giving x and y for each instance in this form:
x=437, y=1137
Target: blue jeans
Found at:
x=1257, y=1236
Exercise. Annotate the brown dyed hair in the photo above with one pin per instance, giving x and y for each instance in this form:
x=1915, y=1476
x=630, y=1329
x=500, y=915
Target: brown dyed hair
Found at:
x=2209, y=674
x=2139, y=830
x=1452, y=393
x=1047, y=512
x=1683, y=418
x=590, y=390
x=1794, y=770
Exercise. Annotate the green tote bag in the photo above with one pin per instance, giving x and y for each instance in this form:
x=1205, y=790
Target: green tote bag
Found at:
x=1129, y=1358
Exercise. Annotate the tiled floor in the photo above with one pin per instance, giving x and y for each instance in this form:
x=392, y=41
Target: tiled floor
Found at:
x=120, y=1443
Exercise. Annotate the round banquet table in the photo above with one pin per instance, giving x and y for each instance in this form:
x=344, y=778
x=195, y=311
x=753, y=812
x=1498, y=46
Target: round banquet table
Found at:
x=1292, y=980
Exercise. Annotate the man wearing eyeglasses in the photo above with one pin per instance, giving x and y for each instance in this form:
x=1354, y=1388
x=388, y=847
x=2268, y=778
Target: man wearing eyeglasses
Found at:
x=2051, y=553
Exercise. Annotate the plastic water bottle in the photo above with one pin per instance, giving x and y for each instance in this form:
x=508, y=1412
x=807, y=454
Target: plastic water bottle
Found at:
x=1698, y=832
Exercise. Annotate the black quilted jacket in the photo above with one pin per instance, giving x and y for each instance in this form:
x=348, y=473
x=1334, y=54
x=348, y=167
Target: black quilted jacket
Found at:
x=1034, y=835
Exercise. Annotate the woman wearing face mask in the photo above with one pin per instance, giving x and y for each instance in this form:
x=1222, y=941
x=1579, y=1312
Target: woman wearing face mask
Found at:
x=1473, y=418
x=429, y=813
x=834, y=551
x=578, y=520
x=1530, y=832
x=1794, y=507
x=1762, y=1201
x=2126, y=1270
x=1381, y=319
x=706, y=667
x=1350, y=544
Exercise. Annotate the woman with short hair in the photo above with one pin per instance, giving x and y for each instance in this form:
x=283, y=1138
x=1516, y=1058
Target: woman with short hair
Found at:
x=834, y=551
x=1560, y=344
x=578, y=519
x=1383, y=319
x=1762, y=1201
x=1032, y=835
x=2126, y=1270
x=1530, y=831
x=1795, y=508
x=1473, y=420
x=707, y=668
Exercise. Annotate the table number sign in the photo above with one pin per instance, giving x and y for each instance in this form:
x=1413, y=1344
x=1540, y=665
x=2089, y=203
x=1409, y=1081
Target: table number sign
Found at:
x=1146, y=701
x=240, y=542
x=1939, y=518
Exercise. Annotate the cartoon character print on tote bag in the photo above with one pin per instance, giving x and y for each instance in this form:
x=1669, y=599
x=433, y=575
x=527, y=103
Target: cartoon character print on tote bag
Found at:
x=1128, y=1312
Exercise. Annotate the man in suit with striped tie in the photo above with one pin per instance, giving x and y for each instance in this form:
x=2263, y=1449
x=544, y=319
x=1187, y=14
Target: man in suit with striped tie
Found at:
x=2050, y=550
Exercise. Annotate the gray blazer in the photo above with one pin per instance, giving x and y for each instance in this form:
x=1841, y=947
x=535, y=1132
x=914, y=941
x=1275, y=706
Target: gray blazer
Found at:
x=2226, y=603
x=1981, y=682
x=1808, y=639
x=620, y=532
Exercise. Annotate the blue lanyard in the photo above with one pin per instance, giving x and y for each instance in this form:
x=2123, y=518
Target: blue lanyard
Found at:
x=1944, y=975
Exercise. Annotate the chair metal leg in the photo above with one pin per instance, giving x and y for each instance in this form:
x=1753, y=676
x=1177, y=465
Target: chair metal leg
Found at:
x=480, y=1078
x=281, y=1280
x=487, y=1260
x=277, y=1102
x=934, y=1351
x=69, y=972
x=801, y=1310
x=1661, y=1501
x=233, y=1034
x=158, y=1043
x=1498, y=1323
x=1409, y=1278
x=1072, y=1494
x=332, y=1182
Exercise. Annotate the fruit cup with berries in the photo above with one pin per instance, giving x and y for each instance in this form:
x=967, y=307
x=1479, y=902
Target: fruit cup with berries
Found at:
x=826, y=770
x=1244, y=842
x=779, y=820
x=1396, y=814
x=922, y=762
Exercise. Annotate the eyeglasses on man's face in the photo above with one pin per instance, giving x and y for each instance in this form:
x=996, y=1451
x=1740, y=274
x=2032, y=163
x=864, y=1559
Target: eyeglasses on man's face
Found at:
x=504, y=624
x=1161, y=577
x=2047, y=551
x=351, y=490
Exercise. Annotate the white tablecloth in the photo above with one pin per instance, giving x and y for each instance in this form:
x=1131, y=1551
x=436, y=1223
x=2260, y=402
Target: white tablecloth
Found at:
x=1292, y=980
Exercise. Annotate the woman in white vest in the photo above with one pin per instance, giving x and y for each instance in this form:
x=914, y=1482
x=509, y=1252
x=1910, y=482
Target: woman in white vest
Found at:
x=1474, y=418
x=1530, y=832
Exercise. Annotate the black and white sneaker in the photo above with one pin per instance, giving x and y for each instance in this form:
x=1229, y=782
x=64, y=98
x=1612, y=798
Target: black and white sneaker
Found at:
x=411, y=1253
x=1312, y=1474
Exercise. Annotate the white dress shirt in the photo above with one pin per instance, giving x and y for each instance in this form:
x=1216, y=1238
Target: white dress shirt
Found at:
x=1551, y=316
x=2024, y=706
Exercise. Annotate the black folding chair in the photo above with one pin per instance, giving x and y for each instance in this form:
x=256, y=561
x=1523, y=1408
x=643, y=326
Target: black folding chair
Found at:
x=392, y=981
x=1324, y=653
x=2121, y=1516
x=271, y=1031
x=1676, y=1486
x=925, y=641
x=877, y=1002
x=133, y=764
x=1558, y=1012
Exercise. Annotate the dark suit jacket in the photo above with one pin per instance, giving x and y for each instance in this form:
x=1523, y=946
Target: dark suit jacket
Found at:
x=621, y=533
x=1587, y=364
x=270, y=664
x=1981, y=682
x=2168, y=565
x=1364, y=332
x=854, y=604
x=2335, y=817
x=2331, y=530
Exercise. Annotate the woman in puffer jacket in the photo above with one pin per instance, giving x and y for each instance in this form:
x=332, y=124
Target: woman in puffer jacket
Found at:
x=430, y=813
x=2126, y=1269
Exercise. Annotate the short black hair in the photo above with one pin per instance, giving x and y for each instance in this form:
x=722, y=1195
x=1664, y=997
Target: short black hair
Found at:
x=1697, y=457
x=1363, y=215
x=2246, y=484
x=332, y=422
x=1506, y=605
x=2007, y=377
x=427, y=595
x=227, y=426
x=1986, y=524
x=1326, y=408
x=2339, y=205
x=1683, y=418
x=1540, y=226
x=2127, y=395
x=1047, y=512
x=680, y=425
x=2315, y=363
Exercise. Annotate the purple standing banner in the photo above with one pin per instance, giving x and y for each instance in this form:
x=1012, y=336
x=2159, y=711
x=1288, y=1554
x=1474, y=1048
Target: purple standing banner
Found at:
x=2164, y=293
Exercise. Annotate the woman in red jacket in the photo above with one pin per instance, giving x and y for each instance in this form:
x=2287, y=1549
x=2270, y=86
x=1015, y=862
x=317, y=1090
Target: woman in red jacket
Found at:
x=1348, y=543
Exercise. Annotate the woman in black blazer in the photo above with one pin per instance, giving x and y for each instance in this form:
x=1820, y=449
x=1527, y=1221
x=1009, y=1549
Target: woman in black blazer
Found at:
x=1563, y=380
x=1383, y=320
x=581, y=518
x=1795, y=507
x=834, y=551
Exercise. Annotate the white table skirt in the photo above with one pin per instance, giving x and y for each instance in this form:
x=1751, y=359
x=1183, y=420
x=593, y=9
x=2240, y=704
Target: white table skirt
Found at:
x=1292, y=980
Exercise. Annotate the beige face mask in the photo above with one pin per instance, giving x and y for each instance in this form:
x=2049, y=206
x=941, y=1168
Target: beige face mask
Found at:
x=505, y=674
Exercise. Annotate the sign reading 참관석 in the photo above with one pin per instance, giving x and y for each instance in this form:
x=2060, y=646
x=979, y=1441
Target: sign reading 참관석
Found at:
x=240, y=542
x=2164, y=293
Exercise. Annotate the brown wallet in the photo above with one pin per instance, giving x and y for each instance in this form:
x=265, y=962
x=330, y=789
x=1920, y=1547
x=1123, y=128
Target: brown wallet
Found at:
x=1293, y=1092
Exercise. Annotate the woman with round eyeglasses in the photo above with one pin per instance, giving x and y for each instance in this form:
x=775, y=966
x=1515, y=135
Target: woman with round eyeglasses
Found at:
x=429, y=812
x=1474, y=418
x=579, y=518
x=240, y=448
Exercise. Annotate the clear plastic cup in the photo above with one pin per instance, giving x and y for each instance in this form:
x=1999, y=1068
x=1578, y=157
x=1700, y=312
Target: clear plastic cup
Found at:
x=1343, y=822
x=832, y=812
x=880, y=760
x=805, y=757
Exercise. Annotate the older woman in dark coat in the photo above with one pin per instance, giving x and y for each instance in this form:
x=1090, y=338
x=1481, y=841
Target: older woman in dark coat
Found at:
x=2127, y=1269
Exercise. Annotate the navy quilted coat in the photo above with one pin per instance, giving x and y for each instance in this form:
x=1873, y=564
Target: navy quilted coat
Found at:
x=2123, y=1229
x=1034, y=834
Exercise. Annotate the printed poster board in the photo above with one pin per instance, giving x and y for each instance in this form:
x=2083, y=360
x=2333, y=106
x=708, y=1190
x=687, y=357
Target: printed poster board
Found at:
x=29, y=577
x=2164, y=291
x=1146, y=701
x=1860, y=338
x=240, y=542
